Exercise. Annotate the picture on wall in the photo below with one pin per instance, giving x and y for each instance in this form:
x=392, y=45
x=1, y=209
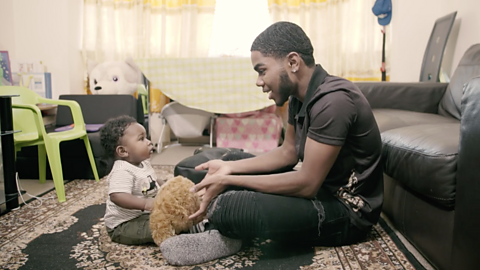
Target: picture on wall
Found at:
x=5, y=70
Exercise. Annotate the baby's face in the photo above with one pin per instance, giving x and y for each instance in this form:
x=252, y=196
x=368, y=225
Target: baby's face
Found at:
x=136, y=144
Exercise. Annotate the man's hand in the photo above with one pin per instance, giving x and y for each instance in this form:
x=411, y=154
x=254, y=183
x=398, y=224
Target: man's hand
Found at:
x=215, y=167
x=212, y=186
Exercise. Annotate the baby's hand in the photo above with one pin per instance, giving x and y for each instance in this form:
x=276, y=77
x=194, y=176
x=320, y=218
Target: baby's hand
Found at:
x=160, y=182
x=148, y=204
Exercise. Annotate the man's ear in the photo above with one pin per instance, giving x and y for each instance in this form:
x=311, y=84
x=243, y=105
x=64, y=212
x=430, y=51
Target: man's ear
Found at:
x=293, y=60
x=121, y=151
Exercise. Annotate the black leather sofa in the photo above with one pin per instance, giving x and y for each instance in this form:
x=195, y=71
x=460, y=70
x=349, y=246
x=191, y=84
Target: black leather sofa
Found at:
x=96, y=109
x=431, y=154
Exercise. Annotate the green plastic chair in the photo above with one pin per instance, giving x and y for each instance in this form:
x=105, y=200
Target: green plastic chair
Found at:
x=27, y=118
x=143, y=95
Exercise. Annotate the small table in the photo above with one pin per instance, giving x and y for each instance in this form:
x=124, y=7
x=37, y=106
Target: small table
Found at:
x=46, y=107
x=8, y=151
x=212, y=84
x=49, y=113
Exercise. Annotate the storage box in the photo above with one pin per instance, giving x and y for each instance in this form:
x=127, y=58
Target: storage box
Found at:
x=258, y=133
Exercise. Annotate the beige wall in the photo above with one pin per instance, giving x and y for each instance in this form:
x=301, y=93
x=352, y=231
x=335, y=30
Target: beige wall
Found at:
x=49, y=31
x=412, y=23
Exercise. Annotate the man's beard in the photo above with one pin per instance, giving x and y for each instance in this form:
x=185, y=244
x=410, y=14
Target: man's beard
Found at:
x=285, y=89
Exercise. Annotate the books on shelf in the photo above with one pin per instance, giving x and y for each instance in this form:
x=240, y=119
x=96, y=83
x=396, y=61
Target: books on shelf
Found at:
x=39, y=82
x=32, y=74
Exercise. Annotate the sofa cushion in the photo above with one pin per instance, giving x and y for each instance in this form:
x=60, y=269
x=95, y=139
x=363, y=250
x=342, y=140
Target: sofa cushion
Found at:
x=98, y=109
x=424, y=159
x=97, y=148
x=391, y=118
x=468, y=68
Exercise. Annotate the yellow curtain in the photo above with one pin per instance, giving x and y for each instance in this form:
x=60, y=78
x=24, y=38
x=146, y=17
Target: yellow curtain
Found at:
x=345, y=34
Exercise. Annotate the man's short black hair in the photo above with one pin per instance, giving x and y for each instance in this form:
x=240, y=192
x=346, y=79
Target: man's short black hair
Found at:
x=282, y=38
x=112, y=131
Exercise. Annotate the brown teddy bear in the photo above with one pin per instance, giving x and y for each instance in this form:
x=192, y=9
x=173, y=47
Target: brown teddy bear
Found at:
x=173, y=205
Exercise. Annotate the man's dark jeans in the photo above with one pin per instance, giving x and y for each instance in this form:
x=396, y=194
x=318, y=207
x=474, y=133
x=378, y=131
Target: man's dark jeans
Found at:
x=245, y=214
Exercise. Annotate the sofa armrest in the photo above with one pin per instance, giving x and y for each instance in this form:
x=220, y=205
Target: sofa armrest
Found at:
x=417, y=97
x=466, y=235
x=97, y=109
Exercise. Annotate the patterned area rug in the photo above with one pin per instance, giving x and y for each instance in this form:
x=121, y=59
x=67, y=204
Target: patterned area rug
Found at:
x=72, y=235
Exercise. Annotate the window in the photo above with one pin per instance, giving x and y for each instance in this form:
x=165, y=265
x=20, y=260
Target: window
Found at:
x=236, y=24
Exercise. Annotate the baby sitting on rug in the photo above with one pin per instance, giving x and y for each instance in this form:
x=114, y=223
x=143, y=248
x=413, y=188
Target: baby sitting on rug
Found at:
x=132, y=187
x=132, y=182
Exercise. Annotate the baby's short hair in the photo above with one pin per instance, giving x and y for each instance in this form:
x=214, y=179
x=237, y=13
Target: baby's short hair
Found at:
x=112, y=131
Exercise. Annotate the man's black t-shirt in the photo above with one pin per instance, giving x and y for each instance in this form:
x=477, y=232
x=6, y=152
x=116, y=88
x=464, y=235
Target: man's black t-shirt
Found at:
x=335, y=112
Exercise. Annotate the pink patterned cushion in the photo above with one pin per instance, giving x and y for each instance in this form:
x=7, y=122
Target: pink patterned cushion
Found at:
x=258, y=134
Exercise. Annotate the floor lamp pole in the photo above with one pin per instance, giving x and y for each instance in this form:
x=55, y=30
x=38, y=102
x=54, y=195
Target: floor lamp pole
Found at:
x=384, y=73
